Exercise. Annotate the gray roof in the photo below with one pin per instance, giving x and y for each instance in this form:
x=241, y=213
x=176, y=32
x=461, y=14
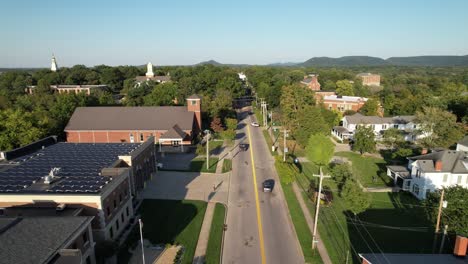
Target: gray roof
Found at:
x=401, y=170
x=386, y=258
x=174, y=132
x=194, y=96
x=130, y=118
x=362, y=119
x=464, y=141
x=37, y=239
x=161, y=78
x=341, y=129
x=452, y=161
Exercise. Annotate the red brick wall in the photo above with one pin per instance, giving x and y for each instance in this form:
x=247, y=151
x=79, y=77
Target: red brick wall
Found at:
x=115, y=196
x=334, y=105
x=110, y=136
x=371, y=79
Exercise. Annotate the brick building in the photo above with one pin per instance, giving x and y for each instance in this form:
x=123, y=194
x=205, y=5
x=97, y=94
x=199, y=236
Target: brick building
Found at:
x=369, y=79
x=311, y=81
x=170, y=125
x=87, y=89
x=102, y=180
x=343, y=103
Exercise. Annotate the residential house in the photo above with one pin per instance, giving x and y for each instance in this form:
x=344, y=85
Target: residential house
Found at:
x=462, y=145
x=311, y=81
x=430, y=172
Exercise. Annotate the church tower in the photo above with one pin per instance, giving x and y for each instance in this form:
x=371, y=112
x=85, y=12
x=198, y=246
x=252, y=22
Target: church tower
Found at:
x=149, y=70
x=53, y=66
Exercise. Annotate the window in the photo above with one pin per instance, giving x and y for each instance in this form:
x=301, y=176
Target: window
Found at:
x=418, y=173
x=175, y=143
x=117, y=225
x=193, y=102
x=132, y=139
x=111, y=231
x=108, y=210
x=88, y=260
x=122, y=217
x=142, y=137
x=115, y=203
x=445, y=178
x=416, y=189
x=85, y=237
x=126, y=193
x=128, y=212
x=414, y=126
x=384, y=126
x=120, y=197
x=395, y=126
x=459, y=179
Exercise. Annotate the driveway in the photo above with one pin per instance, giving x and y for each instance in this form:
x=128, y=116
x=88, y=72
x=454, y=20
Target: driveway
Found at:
x=173, y=185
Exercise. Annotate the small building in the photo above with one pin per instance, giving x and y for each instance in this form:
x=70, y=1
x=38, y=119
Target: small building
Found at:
x=76, y=89
x=369, y=79
x=47, y=240
x=462, y=145
x=149, y=76
x=343, y=103
x=350, y=123
x=311, y=81
x=175, y=126
x=429, y=172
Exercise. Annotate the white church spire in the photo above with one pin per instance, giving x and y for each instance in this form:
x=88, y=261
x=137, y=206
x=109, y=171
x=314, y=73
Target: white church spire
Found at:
x=53, y=66
x=149, y=70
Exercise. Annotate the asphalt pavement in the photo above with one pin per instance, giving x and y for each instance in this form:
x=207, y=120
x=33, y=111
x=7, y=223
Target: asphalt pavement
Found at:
x=259, y=227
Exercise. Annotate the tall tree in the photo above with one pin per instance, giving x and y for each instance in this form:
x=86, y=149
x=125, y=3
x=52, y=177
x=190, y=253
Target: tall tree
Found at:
x=438, y=127
x=392, y=137
x=162, y=94
x=344, y=87
x=320, y=149
x=364, y=139
x=356, y=200
x=294, y=98
x=370, y=108
x=310, y=121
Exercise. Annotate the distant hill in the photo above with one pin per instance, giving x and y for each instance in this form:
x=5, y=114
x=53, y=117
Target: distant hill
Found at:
x=429, y=61
x=283, y=64
x=210, y=62
x=344, y=61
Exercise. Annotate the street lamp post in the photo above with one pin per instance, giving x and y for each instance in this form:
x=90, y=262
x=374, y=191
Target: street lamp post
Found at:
x=207, y=149
x=141, y=239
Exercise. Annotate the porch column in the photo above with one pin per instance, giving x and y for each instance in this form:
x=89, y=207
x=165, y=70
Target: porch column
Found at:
x=182, y=145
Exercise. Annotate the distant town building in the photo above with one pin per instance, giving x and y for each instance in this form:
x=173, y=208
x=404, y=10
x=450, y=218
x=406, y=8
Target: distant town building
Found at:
x=149, y=76
x=430, y=172
x=242, y=76
x=369, y=79
x=62, y=88
x=311, y=81
x=405, y=124
x=53, y=65
x=343, y=103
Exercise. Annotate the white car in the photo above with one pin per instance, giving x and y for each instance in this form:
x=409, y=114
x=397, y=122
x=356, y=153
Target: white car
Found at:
x=255, y=124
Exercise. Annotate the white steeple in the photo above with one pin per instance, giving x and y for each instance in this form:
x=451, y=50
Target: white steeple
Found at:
x=53, y=66
x=149, y=70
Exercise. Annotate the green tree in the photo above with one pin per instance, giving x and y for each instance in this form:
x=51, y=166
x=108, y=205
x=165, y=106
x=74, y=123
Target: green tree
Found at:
x=294, y=99
x=370, y=108
x=320, y=149
x=364, y=139
x=456, y=213
x=43, y=87
x=162, y=94
x=341, y=173
x=355, y=199
x=19, y=128
x=392, y=137
x=310, y=121
x=344, y=87
x=438, y=127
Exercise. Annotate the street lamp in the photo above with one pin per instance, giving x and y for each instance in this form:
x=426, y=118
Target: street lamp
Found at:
x=141, y=238
x=207, y=132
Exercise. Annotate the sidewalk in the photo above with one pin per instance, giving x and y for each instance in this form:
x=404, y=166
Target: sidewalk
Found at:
x=310, y=222
x=202, y=244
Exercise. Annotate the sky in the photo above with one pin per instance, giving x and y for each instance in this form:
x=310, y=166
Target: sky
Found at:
x=181, y=32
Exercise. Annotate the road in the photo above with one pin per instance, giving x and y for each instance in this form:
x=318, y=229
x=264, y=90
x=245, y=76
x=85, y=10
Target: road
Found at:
x=259, y=227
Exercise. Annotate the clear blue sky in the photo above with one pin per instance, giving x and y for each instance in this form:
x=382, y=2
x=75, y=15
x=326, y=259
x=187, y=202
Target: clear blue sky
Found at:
x=243, y=31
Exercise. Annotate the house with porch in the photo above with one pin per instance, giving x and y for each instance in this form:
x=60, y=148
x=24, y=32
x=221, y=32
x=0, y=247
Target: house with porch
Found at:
x=429, y=172
x=172, y=126
x=350, y=123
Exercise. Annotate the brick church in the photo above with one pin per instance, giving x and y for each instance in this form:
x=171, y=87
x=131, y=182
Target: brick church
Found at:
x=170, y=125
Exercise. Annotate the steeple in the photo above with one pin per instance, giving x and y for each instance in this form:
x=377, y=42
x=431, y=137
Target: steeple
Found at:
x=53, y=66
x=149, y=70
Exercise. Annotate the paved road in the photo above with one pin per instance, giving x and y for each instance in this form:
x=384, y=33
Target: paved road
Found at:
x=244, y=242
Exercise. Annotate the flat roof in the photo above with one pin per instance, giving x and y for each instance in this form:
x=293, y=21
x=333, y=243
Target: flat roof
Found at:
x=386, y=258
x=80, y=167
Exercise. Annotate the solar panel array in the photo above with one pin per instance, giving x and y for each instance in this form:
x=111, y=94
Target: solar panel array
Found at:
x=80, y=166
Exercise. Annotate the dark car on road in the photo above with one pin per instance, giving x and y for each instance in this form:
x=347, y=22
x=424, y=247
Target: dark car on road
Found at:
x=243, y=146
x=268, y=185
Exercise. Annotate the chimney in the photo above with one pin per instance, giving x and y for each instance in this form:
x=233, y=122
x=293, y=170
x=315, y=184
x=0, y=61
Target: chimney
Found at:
x=424, y=151
x=438, y=165
x=194, y=105
x=461, y=243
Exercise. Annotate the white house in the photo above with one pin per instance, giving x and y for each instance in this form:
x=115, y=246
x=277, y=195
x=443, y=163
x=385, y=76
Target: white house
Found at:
x=379, y=124
x=462, y=145
x=430, y=172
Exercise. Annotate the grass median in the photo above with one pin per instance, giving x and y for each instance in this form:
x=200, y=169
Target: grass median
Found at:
x=213, y=251
x=227, y=165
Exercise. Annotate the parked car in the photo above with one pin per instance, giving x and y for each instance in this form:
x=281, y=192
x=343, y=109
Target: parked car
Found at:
x=268, y=185
x=255, y=124
x=243, y=146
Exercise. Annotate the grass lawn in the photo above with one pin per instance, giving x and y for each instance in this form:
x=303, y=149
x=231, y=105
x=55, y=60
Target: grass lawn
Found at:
x=267, y=137
x=365, y=168
x=171, y=222
x=199, y=165
x=227, y=165
x=213, y=251
x=395, y=222
x=215, y=144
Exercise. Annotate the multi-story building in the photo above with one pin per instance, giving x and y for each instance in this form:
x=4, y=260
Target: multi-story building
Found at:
x=47, y=240
x=170, y=125
x=102, y=180
x=87, y=89
x=350, y=123
x=343, y=103
x=369, y=79
x=429, y=172
x=311, y=81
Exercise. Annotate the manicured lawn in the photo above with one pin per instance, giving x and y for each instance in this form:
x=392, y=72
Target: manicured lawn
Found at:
x=227, y=165
x=370, y=171
x=215, y=144
x=171, y=222
x=199, y=165
x=213, y=251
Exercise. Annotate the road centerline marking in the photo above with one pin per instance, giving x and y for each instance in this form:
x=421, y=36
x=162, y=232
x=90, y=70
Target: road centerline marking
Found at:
x=257, y=203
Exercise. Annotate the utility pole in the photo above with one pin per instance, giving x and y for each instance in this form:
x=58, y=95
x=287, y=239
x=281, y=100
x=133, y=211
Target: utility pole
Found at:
x=207, y=149
x=141, y=239
x=443, y=239
x=271, y=118
x=442, y=204
x=285, y=149
x=314, y=235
